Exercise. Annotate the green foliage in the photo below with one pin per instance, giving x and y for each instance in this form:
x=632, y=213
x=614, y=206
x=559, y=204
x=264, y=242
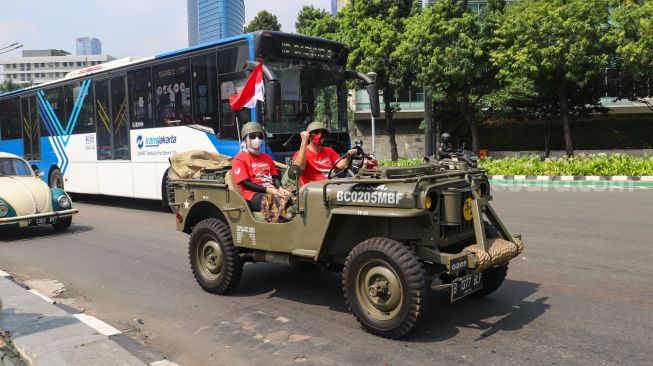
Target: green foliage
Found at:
x=9, y=85
x=316, y=22
x=600, y=164
x=264, y=20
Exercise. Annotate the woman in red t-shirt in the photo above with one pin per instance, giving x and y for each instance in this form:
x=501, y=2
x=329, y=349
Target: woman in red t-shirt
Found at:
x=255, y=170
x=315, y=159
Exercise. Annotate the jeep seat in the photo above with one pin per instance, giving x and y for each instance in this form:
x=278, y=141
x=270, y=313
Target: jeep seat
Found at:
x=235, y=187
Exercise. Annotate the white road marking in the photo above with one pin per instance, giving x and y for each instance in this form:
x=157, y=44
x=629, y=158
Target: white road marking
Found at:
x=163, y=363
x=519, y=177
x=42, y=296
x=4, y=274
x=646, y=178
x=593, y=178
x=97, y=324
x=619, y=178
x=566, y=177
x=543, y=177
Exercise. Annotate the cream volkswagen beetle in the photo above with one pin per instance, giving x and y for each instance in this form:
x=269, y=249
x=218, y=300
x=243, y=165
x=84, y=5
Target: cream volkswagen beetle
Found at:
x=25, y=200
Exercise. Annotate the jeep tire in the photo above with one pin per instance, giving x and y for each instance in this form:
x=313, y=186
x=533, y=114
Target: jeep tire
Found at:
x=384, y=286
x=213, y=257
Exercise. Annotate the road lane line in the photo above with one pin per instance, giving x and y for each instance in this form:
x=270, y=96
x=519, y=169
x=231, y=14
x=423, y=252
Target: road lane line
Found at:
x=4, y=274
x=97, y=324
x=42, y=296
x=163, y=363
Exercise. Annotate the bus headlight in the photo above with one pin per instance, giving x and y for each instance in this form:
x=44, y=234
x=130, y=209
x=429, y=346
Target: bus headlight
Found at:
x=64, y=201
x=4, y=210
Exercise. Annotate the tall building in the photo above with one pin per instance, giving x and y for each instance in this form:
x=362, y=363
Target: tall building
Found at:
x=88, y=46
x=40, y=66
x=210, y=20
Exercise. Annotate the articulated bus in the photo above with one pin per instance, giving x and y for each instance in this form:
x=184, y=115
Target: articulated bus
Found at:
x=109, y=129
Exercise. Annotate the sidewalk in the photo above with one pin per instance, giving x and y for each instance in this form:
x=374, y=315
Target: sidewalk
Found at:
x=50, y=334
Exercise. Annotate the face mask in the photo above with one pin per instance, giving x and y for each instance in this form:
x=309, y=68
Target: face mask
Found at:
x=316, y=139
x=254, y=145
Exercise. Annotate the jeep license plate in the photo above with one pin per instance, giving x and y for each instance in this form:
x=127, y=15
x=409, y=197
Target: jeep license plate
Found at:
x=465, y=285
x=40, y=221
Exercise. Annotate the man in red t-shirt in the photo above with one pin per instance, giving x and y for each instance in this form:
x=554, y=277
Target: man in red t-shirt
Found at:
x=255, y=170
x=315, y=159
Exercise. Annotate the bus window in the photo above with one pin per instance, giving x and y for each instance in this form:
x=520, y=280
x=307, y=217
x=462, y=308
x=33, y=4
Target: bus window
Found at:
x=120, y=123
x=55, y=99
x=140, y=94
x=104, y=135
x=205, y=94
x=172, y=97
x=84, y=120
x=10, y=126
x=231, y=63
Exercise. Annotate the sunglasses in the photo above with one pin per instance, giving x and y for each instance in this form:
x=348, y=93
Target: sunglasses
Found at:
x=254, y=135
x=323, y=132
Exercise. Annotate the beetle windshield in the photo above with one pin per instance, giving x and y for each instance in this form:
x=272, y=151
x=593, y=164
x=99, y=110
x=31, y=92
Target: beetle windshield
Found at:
x=14, y=167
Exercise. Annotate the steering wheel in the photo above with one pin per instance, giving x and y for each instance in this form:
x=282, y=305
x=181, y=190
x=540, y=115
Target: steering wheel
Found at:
x=351, y=168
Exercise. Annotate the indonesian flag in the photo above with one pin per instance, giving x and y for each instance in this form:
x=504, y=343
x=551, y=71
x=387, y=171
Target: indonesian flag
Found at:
x=251, y=92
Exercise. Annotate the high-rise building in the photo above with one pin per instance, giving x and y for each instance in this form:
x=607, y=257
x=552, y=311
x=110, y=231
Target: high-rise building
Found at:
x=210, y=20
x=88, y=46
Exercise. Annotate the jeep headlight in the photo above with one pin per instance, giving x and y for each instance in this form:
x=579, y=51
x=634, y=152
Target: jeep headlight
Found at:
x=4, y=209
x=431, y=201
x=64, y=201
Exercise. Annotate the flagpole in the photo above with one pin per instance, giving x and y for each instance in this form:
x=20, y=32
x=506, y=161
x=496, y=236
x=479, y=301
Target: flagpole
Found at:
x=240, y=140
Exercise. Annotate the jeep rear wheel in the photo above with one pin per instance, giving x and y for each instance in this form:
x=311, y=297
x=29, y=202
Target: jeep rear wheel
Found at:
x=213, y=257
x=492, y=279
x=384, y=285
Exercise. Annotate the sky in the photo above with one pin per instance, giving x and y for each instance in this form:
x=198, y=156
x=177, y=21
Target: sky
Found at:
x=125, y=27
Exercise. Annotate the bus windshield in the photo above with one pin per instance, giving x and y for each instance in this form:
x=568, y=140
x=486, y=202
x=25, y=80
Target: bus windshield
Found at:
x=310, y=92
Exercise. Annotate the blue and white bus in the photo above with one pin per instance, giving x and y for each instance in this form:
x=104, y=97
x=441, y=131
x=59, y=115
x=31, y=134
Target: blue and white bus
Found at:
x=109, y=129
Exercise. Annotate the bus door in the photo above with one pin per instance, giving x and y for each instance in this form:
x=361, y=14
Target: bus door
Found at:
x=31, y=129
x=113, y=126
x=113, y=137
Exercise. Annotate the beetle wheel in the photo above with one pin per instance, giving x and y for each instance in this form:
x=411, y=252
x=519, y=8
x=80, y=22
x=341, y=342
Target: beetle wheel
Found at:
x=384, y=286
x=213, y=257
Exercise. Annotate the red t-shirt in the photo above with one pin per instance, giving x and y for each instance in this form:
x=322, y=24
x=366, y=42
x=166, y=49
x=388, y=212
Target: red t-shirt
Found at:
x=317, y=164
x=259, y=169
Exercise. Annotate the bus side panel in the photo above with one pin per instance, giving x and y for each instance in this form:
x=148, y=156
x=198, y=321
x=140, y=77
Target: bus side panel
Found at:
x=12, y=146
x=81, y=174
x=145, y=181
x=115, y=178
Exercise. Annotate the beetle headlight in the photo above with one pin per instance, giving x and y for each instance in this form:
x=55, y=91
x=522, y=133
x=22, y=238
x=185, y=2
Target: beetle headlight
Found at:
x=4, y=210
x=64, y=201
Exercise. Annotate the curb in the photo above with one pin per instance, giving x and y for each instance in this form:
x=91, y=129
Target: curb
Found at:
x=568, y=178
x=25, y=308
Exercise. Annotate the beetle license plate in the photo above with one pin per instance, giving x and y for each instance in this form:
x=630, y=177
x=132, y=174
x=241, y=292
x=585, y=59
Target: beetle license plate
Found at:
x=465, y=285
x=40, y=221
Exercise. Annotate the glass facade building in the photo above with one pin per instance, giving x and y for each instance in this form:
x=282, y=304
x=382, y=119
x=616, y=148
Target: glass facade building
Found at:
x=210, y=20
x=88, y=46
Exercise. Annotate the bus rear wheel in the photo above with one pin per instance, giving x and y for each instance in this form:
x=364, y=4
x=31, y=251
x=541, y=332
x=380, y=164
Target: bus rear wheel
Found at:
x=56, y=179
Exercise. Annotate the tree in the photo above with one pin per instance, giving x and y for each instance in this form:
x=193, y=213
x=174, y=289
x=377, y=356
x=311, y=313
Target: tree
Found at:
x=264, y=20
x=557, y=44
x=316, y=22
x=9, y=85
x=448, y=48
x=632, y=34
x=372, y=29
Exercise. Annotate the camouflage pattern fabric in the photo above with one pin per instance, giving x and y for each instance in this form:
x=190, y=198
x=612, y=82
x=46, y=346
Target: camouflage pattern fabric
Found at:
x=278, y=209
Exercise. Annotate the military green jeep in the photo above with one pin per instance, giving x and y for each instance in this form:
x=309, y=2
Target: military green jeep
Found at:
x=390, y=231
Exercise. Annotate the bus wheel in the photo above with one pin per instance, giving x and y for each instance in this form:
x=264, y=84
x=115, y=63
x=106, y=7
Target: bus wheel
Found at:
x=56, y=179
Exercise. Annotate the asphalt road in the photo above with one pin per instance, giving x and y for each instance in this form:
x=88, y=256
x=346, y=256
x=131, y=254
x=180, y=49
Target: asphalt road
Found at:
x=579, y=294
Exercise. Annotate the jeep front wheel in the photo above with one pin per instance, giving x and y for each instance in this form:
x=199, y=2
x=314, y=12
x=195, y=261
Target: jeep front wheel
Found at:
x=384, y=285
x=213, y=257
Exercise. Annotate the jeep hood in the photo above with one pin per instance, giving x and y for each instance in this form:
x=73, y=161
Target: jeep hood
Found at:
x=27, y=195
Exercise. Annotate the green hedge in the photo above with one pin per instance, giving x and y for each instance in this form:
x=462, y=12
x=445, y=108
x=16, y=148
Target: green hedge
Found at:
x=600, y=164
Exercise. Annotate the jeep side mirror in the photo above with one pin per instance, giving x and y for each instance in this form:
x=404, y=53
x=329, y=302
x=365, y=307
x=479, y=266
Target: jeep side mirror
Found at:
x=294, y=172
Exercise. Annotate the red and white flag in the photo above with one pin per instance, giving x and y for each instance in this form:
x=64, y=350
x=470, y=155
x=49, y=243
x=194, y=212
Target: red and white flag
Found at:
x=251, y=92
